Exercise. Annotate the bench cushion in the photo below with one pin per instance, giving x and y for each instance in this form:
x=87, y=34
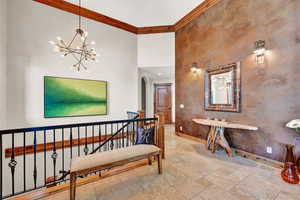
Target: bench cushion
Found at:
x=107, y=157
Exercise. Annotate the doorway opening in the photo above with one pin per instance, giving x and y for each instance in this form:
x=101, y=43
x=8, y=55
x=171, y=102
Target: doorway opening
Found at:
x=163, y=101
x=149, y=78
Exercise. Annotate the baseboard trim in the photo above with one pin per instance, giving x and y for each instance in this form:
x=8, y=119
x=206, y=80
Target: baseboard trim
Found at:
x=244, y=154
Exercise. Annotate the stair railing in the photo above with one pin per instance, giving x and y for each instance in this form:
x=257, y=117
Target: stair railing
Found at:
x=32, y=158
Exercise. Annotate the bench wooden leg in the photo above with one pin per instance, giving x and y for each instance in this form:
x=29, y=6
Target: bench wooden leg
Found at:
x=72, y=186
x=159, y=163
x=150, y=160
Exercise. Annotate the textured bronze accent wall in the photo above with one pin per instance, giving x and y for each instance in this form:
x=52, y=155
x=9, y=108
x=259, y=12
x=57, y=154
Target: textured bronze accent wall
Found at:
x=270, y=92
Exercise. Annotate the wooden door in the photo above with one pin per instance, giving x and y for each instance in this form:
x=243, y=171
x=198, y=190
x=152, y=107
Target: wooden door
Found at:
x=163, y=101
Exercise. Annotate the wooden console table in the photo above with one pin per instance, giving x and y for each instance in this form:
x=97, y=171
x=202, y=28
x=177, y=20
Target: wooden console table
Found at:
x=216, y=133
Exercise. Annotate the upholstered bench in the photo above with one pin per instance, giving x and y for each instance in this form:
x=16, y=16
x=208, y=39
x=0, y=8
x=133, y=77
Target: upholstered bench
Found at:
x=104, y=160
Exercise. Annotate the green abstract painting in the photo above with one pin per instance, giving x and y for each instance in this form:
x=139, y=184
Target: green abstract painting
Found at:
x=66, y=97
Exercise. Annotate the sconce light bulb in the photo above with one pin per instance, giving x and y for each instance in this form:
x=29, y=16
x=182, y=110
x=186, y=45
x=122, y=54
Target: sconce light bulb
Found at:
x=194, y=69
x=260, y=51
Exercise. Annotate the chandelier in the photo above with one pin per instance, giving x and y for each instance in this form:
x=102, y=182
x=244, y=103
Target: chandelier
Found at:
x=78, y=47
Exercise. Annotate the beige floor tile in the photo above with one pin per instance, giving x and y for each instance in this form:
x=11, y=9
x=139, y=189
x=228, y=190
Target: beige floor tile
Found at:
x=259, y=187
x=287, y=196
x=218, y=193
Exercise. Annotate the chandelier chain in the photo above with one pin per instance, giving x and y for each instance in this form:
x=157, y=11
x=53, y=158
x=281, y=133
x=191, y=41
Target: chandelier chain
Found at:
x=79, y=14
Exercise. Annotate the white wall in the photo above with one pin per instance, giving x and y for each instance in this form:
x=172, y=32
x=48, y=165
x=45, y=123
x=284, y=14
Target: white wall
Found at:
x=3, y=46
x=156, y=50
x=30, y=26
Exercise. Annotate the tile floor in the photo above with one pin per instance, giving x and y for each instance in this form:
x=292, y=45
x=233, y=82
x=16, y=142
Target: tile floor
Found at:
x=191, y=173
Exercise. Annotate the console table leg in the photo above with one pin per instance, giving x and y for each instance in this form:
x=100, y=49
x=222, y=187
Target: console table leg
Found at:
x=214, y=140
x=210, y=137
x=223, y=142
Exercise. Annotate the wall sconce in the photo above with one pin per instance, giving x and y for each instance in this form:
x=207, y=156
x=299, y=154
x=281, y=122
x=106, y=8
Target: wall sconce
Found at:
x=260, y=49
x=195, y=69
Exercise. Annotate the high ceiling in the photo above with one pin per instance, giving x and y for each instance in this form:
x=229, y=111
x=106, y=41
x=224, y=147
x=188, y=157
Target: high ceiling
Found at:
x=142, y=13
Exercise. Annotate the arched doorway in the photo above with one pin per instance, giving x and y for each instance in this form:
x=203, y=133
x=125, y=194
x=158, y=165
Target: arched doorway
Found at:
x=144, y=95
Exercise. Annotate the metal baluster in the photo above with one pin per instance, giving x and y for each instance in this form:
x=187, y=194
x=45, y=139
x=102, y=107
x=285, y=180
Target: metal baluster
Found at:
x=123, y=136
x=93, y=140
x=105, y=136
x=100, y=137
x=86, y=149
x=71, y=142
x=136, y=132
x=132, y=136
x=112, y=140
x=155, y=132
x=12, y=164
x=35, y=169
x=24, y=161
x=118, y=137
x=78, y=139
x=127, y=135
x=1, y=167
x=93, y=132
x=45, y=158
x=63, y=150
x=54, y=155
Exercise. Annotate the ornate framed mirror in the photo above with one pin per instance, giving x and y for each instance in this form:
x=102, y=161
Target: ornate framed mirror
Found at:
x=223, y=88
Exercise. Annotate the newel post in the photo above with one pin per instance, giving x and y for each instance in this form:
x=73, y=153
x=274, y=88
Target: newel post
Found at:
x=160, y=133
x=141, y=113
x=141, y=116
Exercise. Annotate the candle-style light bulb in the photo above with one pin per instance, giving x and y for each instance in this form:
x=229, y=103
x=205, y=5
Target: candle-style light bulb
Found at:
x=56, y=49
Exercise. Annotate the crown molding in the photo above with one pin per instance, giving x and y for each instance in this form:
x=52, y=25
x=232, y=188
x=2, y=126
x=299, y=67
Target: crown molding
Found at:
x=72, y=8
x=195, y=13
x=155, y=29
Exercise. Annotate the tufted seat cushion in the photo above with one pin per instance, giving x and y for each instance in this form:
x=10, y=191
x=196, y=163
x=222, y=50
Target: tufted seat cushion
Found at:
x=108, y=157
